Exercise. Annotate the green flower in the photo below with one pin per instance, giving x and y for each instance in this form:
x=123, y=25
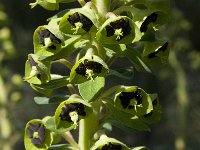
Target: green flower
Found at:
x=37, y=136
x=118, y=30
x=156, y=53
x=69, y=113
x=78, y=21
x=106, y=143
x=87, y=69
x=46, y=43
x=133, y=100
x=36, y=72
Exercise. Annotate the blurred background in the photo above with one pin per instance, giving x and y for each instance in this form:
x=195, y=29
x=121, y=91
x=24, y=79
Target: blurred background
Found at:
x=177, y=83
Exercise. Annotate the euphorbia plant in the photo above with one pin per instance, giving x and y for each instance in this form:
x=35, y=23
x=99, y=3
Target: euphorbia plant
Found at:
x=96, y=33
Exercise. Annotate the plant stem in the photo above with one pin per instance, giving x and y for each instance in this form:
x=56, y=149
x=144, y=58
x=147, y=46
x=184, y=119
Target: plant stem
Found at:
x=87, y=128
x=103, y=7
x=65, y=62
x=69, y=138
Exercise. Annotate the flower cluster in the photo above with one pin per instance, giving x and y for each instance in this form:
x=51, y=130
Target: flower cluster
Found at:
x=94, y=36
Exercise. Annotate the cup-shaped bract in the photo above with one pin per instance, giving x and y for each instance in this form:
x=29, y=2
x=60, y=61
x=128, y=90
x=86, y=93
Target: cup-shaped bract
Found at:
x=36, y=72
x=118, y=30
x=154, y=115
x=69, y=112
x=37, y=136
x=88, y=68
x=46, y=4
x=78, y=21
x=106, y=143
x=151, y=19
x=133, y=100
x=47, y=41
x=156, y=53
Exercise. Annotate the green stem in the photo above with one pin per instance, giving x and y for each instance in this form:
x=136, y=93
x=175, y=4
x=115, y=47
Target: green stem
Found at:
x=65, y=62
x=112, y=90
x=183, y=100
x=103, y=7
x=69, y=138
x=71, y=88
x=87, y=129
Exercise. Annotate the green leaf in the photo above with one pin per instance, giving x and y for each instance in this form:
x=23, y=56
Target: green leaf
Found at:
x=105, y=141
x=57, y=81
x=50, y=124
x=61, y=147
x=46, y=92
x=140, y=148
x=123, y=73
x=50, y=100
x=136, y=59
x=91, y=89
x=46, y=4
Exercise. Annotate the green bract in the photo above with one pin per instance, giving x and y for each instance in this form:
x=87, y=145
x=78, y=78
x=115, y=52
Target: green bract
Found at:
x=118, y=30
x=78, y=21
x=154, y=115
x=37, y=136
x=156, y=53
x=36, y=72
x=69, y=113
x=106, y=143
x=47, y=41
x=47, y=4
x=88, y=68
x=133, y=100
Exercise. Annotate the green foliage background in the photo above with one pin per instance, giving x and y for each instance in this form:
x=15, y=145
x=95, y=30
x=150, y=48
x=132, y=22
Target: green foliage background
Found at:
x=177, y=83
